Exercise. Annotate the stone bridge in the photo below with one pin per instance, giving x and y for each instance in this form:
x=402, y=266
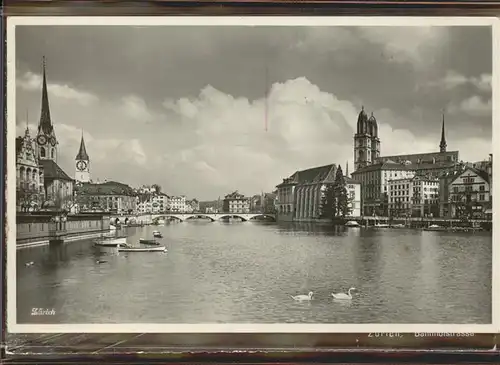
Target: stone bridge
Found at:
x=152, y=218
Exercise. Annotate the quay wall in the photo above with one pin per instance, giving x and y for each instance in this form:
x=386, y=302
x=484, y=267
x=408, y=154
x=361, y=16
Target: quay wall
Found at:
x=35, y=228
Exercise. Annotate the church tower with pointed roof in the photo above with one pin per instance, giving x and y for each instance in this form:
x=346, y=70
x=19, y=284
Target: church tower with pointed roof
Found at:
x=82, y=167
x=442, y=144
x=363, y=152
x=46, y=141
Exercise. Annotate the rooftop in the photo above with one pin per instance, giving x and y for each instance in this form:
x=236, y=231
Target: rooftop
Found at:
x=310, y=176
x=107, y=188
x=389, y=165
x=52, y=171
x=350, y=180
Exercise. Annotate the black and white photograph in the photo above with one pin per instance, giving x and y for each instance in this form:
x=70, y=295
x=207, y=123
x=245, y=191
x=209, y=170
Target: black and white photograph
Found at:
x=250, y=173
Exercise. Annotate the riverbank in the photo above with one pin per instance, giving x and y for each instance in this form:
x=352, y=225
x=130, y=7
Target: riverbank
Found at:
x=44, y=227
x=77, y=237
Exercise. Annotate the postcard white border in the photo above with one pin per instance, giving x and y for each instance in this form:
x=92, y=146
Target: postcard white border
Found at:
x=13, y=327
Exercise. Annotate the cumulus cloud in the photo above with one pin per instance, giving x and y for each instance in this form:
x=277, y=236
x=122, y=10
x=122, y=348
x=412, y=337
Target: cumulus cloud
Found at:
x=474, y=106
x=207, y=145
x=406, y=44
x=454, y=79
x=33, y=82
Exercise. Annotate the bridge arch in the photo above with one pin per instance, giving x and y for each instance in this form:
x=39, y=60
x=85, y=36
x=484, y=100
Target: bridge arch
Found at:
x=212, y=216
x=199, y=216
x=232, y=215
x=119, y=220
x=258, y=215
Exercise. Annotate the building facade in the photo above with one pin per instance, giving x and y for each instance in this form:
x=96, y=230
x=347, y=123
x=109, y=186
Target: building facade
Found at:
x=374, y=171
x=366, y=141
x=413, y=197
x=374, y=181
x=354, y=197
x=469, y=194
x=235, y=203
x=29, y=175
x=300, y=196
x=58, y=186
x=178, y=204
x=82, y=164
x=152, y=202
x=111, y=196
x=193, y=206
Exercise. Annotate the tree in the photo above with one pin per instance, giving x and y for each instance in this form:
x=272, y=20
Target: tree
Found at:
x=328, y=202
x=28, y=198
x=157, y=188
x=463, y=204
x=340, y=192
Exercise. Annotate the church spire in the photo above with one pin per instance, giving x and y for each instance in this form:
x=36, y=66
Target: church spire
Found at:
x=27, y=131
x=82, y=153
x=45, y=124
x=442, y=144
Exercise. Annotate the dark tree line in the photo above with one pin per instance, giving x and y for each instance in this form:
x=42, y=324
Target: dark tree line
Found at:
x=335, y=200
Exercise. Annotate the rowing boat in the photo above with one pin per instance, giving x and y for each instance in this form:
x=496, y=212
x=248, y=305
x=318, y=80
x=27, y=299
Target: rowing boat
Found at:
x=142, y=249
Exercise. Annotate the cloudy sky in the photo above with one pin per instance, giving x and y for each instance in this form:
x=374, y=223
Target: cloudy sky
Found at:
x=185, y=107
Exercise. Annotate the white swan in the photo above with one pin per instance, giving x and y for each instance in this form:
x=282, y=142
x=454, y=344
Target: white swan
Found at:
x=303, y=297
x=343, y=295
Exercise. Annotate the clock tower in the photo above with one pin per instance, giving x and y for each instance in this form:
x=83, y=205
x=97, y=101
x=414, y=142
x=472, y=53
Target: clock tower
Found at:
x=82, y=168
x=46, y=141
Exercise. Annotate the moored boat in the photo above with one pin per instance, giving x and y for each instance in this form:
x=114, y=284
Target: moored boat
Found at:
x=113, y=242
x=142, y=249
x=435, y=227
x=144, y=241
x=399, y=225
x=352, y=224
x=157, y=234
x=381, y=225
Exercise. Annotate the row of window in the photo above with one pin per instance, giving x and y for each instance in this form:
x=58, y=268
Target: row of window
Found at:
x=414, y=200
x=457, y=198
x=456, y=189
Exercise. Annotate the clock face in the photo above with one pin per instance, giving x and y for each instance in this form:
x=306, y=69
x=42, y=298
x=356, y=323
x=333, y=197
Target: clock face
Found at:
x=81, y=165
x=41, y=139
x=53, y=141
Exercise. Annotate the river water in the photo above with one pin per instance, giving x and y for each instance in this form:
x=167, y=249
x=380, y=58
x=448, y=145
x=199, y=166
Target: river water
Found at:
x=245, y=272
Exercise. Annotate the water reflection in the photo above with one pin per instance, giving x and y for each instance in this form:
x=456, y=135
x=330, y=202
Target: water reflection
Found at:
x=246, y=272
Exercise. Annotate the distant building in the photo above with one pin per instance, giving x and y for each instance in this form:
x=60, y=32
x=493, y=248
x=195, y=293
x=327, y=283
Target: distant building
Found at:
x=417, y=196
x=82, y=166
x=300, y=196
x=374, y=181
x=371, y=168
x=110, y=196
x=487, y=166
x=236, y=203
x=256, y=203
x=431, y=164
x=58, y=186
x=366, y=141
x=210, y=210
x=469, y=194
x=178, y=204
x=193, y=206
x=354, y=197
x=152, y=202
x=30, y=190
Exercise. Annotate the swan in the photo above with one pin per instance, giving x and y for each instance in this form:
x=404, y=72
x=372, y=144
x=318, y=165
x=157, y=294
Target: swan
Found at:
x=343, y=295
x=303, y=297
x=31, y=263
